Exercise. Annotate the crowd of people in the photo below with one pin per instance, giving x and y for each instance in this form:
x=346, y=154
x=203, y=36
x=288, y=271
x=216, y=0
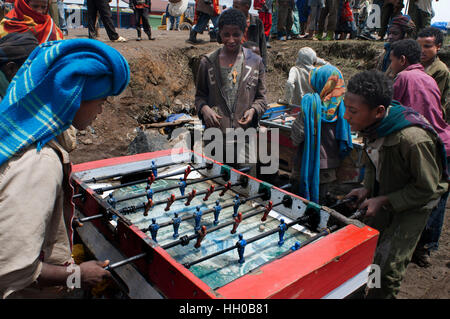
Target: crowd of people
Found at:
x=400, y=110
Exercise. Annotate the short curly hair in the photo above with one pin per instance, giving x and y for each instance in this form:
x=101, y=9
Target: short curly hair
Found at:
x=432, y=32
x=233, y=17
x=409, y=48
x=374, y=86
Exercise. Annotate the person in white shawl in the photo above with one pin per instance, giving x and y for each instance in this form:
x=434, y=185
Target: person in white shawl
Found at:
x=297, y=84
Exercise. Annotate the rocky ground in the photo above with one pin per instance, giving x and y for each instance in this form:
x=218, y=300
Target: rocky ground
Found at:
x=162, y=83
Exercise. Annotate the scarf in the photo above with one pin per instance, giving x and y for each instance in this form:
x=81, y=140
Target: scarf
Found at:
x=22, y=19
x=48, y=89
x=398, y=118
x=327, y=105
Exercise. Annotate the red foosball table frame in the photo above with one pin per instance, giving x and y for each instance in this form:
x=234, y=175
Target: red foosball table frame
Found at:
x=331, y=267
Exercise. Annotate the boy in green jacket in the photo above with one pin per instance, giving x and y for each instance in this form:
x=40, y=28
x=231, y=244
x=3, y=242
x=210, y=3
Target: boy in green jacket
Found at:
x=405, y=174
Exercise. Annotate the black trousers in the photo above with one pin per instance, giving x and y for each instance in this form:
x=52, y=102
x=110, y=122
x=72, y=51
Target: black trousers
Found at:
x=102, y=7
x=142, y=14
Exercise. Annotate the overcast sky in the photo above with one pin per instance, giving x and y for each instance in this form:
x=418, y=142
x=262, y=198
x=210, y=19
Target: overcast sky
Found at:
x=441, y=9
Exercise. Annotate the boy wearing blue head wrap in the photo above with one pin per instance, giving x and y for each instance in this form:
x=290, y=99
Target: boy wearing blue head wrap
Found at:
x=61, y=83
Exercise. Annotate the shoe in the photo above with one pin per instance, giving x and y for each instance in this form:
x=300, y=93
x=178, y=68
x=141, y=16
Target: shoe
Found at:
x=268, y=45
x=282, y=38
x=139, y=39
x=193, y=37
x=421, y=257
x=367, y=36
x=329, y=36
x=318, y=36
x=120, y=39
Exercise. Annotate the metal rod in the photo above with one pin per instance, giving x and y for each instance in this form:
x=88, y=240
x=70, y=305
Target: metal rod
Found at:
x=96, y=179
x=101, y=190
x=176, y=186
x=125, y=261
x=212, y=229
x=251, y=240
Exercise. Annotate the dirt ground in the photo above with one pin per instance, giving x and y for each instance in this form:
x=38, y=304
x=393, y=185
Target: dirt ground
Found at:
x=162, y=82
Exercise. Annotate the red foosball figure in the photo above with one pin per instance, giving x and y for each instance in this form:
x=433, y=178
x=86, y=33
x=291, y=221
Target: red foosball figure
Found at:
x=170, y=201
x=227, y=187
x=201, y=234
x=148, y=205
x=191, y=195
x=210, y=191
x=237, y=221
x=186, y=172
x=267, y=211
x=150, y=179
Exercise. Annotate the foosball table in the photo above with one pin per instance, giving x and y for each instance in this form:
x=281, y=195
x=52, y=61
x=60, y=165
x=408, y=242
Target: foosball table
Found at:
x=185, y=226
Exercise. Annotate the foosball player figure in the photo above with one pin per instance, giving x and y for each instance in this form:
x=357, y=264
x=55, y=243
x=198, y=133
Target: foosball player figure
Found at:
x=282, y=229
x=197, y=217
x=210, y=191
x=267, y=210
x=217, y=210
x=111, y=200
x=227, y=187
x=190, y=197
x=237, y=221
x=149, y=192
x=170, y=201
x=182, y=184
x=154, y=169
x=176, y=224
x=150, y=179
x=237, y=203
x=296, y=246
x=153, y=228
x=241, y=243
x=201, y=234
x=148, y=205
x=187, y=171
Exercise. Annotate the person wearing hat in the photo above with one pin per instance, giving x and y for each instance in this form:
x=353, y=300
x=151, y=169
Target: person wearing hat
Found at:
x=60, y=84
x=14, y=50
x=401, y=27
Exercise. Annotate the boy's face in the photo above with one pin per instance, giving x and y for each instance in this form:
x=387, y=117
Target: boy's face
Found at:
x=40, y=6
x=87, y=113
x=237, y=4
x=397, y=64
x=359, y=114
x=231, y=37
x=394, y=34
x=429, y=49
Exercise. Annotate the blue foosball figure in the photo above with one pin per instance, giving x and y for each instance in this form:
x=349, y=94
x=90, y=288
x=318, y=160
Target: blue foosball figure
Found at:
x=153, y=228
x=154, y=169
x=111, y=200
x=296, y=246
x=217, y=210
x=197, y=218
x=176, y=224
x=149, y=193
x=182, y=184
x=282, y=229
x=241, y=243
x=237, y=203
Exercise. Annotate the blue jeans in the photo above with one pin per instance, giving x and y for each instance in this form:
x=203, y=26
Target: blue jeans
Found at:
x=62, y=16
x=430, y=235
x=174, y=22
x=202, y=22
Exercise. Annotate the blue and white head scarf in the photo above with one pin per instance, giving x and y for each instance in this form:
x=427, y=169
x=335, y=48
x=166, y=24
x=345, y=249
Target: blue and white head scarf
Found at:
x=48, y=89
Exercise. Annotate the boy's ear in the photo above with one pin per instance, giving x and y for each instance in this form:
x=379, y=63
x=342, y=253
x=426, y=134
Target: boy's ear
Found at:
x=404, y=61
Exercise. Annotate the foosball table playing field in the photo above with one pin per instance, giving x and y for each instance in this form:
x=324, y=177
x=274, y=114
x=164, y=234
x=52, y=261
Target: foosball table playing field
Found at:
x=185, y=226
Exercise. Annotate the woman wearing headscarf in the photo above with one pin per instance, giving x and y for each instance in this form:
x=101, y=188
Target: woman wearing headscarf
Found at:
x=321, y=133
x=297, y=83
x=31, y=15
x=61, y=83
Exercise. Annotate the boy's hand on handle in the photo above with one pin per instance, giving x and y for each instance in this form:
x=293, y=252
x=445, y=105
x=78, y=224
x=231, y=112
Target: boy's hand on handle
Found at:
x=373, y=205
x=360, y=194
x=92, y=272
x=247, y=117
x=211, y=118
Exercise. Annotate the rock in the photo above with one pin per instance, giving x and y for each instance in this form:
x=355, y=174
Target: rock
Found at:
x=87, y=141
x=148, y=141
